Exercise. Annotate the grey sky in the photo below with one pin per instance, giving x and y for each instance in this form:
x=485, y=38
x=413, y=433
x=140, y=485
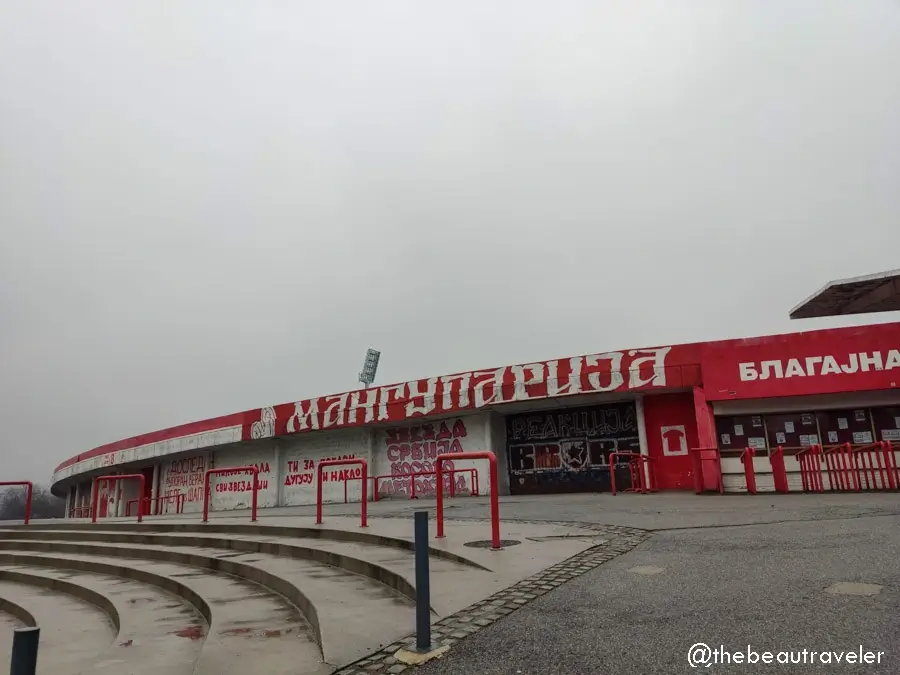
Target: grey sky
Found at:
x=211, y=206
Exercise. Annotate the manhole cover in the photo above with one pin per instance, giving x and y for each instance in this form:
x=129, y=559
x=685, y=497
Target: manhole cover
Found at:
x=504, y=543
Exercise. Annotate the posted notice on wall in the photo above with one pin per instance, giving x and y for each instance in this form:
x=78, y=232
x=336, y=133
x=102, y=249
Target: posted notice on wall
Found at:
x=780, y=438
x=789, y=427
x=738, y=429
x=862, y=437
x=842, y=423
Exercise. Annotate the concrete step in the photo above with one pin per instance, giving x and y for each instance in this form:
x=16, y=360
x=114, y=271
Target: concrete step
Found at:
x=459, y=586
x=73, y=631
x=340, y=605
x=158, y=632
x=345, y=534
x=251, y=628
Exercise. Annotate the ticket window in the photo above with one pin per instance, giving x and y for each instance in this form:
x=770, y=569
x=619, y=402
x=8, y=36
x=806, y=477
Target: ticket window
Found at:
x=886, y=422
x=845, y=426
x=793, y=431
x=735, y=433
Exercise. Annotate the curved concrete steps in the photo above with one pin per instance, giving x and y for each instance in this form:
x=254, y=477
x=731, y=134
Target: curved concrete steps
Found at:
x=73, y=631
x=155, y=629
x=252, y=629
x=389, y=565
x=340, y=605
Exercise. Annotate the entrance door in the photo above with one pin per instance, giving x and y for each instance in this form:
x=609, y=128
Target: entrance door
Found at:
x=671, y=433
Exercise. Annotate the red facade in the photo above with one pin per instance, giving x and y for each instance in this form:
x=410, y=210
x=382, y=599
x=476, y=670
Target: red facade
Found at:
x=680, y=388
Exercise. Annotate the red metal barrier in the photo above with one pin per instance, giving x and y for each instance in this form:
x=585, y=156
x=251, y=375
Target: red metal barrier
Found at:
x=707, y=470
x=876, y=466
x=29, y=489
x=840, y=462
x=412, y=476
x=365, y=485
x=177, y=497
x=779, y=473
x=96, y=493
x=749, y=470
x=495, y=499
x=252, y=470
x=640, y=481
x=810, y=460
x=77, y=511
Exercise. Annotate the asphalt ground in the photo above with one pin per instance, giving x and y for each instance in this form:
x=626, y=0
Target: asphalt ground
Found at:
x=762, y=585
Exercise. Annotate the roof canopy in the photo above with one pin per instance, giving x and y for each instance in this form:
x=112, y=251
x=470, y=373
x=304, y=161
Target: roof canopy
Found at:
x=859, y=295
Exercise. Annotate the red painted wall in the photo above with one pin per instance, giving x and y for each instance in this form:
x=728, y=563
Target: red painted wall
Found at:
x=662, y=412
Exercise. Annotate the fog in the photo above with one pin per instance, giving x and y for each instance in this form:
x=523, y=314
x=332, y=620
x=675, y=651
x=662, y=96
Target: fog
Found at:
x=207, y=207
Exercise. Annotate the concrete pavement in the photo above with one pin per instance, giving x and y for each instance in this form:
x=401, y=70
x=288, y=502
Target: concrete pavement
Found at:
x=777, y=586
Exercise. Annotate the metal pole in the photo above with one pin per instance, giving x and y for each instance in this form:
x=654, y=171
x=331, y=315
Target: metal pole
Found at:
x=24, y=651
x=423, y=584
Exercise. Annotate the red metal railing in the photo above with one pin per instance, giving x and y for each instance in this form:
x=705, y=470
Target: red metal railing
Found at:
x=417, y=474
x=879, y=457
x=77, y=511
x=177, y=497
x=252, y=470
x=810, y=460
x=29, y=489
x=779, y=473
x=365, y=485
x=840, y=463
x=707, y=465
x=139, y=477
x=495, y=500
x=640, y=469
x=749, y=471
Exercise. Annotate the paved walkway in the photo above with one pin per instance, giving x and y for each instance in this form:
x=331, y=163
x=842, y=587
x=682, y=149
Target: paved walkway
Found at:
x=781, y=573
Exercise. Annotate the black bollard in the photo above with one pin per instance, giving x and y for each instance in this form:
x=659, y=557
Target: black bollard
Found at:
x=24, y=651
x=423, y=584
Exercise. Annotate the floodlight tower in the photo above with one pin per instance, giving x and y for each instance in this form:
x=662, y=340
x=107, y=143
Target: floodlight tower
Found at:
x=370, y=365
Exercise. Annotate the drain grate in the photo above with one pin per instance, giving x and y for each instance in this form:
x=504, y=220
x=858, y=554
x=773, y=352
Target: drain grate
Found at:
x=486, y=543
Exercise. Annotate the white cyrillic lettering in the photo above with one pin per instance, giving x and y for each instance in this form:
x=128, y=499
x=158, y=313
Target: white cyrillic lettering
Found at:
x=658, y=358
x=368, y=404
x=524, y=376
x=811, y=362
x=573, y=386
x=748, y=371
x=893, y=360
x=304, y=420
x=794, y=369
x=853, y=367
x=865, y=361
x=616, y=379
x=388, y=394
x=335, y=411
x=492, y=379
x=774, y=367
x=428, y=397
x=830, y=366
x=464, y=386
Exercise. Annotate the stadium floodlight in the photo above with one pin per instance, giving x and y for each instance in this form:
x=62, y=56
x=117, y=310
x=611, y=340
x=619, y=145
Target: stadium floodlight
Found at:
x=367, y=374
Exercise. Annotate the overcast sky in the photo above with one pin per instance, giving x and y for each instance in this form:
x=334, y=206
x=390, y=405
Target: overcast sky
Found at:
x=212, y=206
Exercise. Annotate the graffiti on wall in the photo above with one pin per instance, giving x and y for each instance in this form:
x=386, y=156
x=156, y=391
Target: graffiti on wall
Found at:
x=184, y=476
x=412, y=452
x=568, y=450
x=241, y=481
x=301, y=473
